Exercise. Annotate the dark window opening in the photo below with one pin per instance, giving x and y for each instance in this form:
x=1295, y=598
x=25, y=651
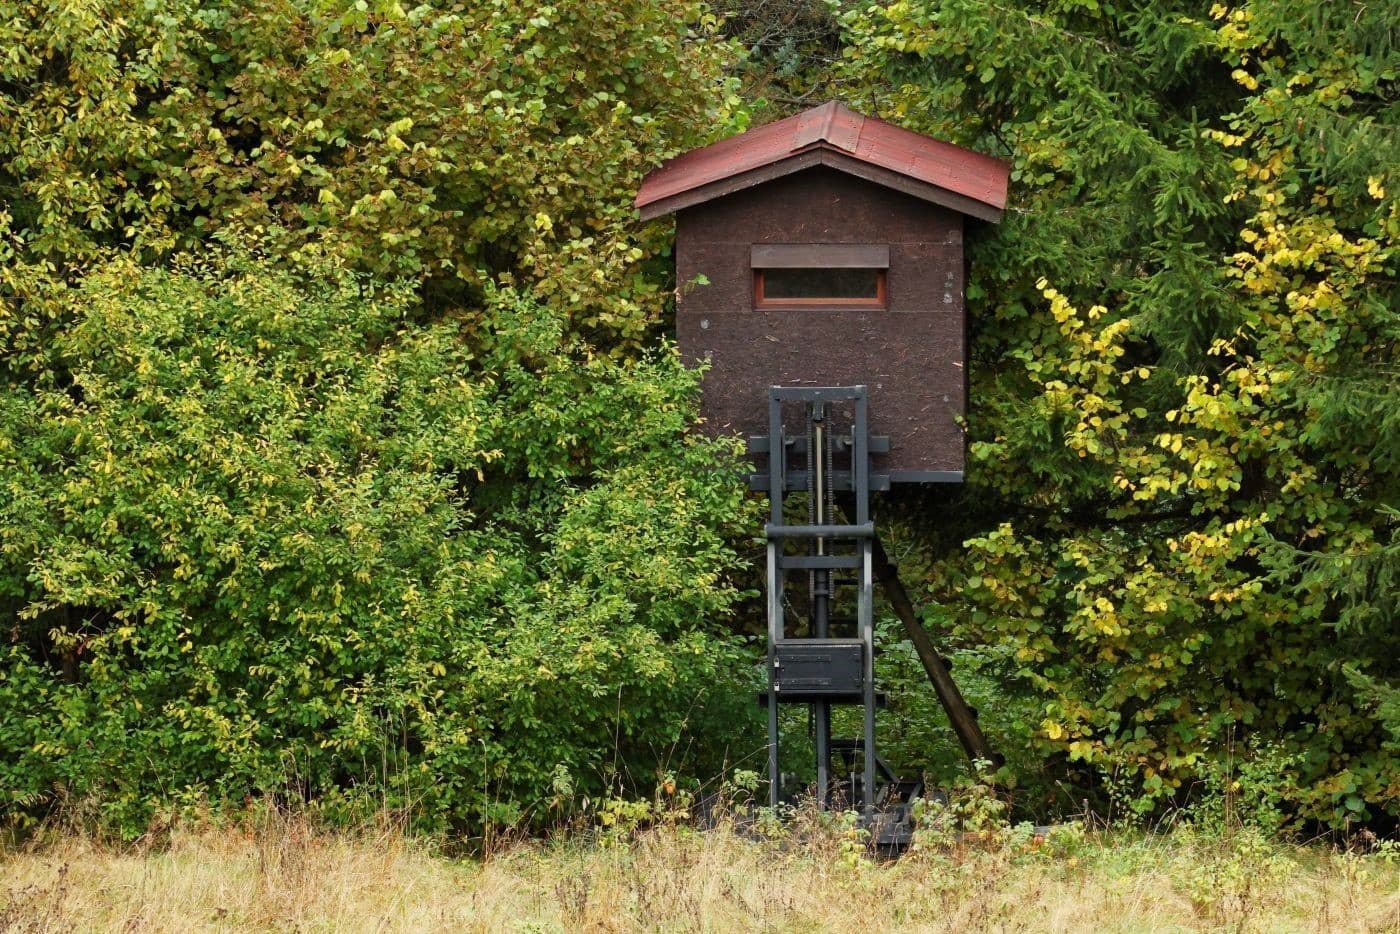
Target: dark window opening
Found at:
x=808, y=286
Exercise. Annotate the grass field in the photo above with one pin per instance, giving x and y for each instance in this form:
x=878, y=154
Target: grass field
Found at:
x=285, y=875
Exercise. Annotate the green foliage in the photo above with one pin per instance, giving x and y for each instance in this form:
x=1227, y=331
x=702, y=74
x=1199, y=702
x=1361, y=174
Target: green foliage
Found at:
x=1225, y=884
x=1179, y=519
x=1250, y=794
x=913, y=729
x=453, y=144
x=271, y=536
x=427, y=538
x=789, y=47
x=972, y=812
x=397, y=505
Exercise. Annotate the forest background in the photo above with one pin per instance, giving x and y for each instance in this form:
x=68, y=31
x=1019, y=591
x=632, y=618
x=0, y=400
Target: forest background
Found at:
x=343, y=457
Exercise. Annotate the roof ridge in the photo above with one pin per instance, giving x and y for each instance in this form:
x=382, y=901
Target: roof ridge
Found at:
x=832, y=123
x=970, y=181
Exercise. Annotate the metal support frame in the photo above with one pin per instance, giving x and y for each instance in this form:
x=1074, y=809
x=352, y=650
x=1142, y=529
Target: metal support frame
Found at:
x=819, y=670
x=819, y=481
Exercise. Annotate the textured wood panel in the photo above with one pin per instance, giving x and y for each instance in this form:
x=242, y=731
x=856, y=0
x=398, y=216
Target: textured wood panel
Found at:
x=911, y=364
x=911, y=356
x=821, y=205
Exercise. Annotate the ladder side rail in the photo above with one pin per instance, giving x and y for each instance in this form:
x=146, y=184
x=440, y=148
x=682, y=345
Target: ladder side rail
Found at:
x=776, y=468
x=819, y=580
x=775, y=630
x=860, y=475
x=867, y=635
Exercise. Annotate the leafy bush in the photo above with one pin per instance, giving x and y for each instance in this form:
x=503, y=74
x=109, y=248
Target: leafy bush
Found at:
x=1179, y=521
x=268, y=536
x=309, y=533
x=439, y=538
x=450, y=143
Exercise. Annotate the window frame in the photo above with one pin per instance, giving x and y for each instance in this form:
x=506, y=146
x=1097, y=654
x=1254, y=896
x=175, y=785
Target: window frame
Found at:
x=762, y=302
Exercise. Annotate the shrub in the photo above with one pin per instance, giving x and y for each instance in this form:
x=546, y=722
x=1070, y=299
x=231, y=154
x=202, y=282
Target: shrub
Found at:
x=259, y=535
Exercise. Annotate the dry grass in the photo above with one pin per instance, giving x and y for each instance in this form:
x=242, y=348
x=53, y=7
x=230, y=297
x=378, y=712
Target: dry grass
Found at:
x=289, y=876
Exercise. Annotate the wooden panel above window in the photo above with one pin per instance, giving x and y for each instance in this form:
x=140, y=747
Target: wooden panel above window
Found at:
x=819, y=255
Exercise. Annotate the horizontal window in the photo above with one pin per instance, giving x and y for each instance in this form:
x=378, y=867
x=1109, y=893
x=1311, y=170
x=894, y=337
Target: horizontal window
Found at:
x=827, y=288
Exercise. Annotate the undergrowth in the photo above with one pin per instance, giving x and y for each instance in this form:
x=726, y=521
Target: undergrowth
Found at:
x=682, y=861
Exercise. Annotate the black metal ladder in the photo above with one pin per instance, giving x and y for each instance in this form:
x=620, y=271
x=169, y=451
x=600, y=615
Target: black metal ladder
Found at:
x=817, y=669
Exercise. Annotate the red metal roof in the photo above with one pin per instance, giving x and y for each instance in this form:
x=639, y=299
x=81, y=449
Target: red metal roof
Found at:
x=836, y=136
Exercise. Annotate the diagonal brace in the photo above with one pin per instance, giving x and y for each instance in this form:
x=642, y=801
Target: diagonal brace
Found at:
x=960, y=714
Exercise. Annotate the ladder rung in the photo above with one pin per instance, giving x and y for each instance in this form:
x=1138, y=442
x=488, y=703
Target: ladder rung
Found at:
x=819, y=562
x=815, y=393
x=881, y=699
x=796, y=481
x=862, y=530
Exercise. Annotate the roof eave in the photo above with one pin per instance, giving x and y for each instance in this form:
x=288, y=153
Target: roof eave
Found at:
x=833, y=158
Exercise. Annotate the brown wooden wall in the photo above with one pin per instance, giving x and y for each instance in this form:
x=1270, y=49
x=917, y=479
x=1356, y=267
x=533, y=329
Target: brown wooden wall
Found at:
x=910, y=355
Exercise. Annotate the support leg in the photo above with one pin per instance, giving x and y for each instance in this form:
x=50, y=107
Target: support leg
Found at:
x=866, y=619
x=962, y=717
x=775, y=627
x=817, y=454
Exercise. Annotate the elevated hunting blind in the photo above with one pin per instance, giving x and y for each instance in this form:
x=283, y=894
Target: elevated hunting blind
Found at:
x=832, y=244
x=821, y=271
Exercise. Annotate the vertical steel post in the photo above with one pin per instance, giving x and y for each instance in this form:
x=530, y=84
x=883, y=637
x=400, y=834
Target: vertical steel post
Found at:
x=777, y=451
x=865, y=616
x=821, y=589
x=775, y=630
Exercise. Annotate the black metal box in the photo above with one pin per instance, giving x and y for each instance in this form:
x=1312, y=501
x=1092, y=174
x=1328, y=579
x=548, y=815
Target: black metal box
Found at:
x=818, y=668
